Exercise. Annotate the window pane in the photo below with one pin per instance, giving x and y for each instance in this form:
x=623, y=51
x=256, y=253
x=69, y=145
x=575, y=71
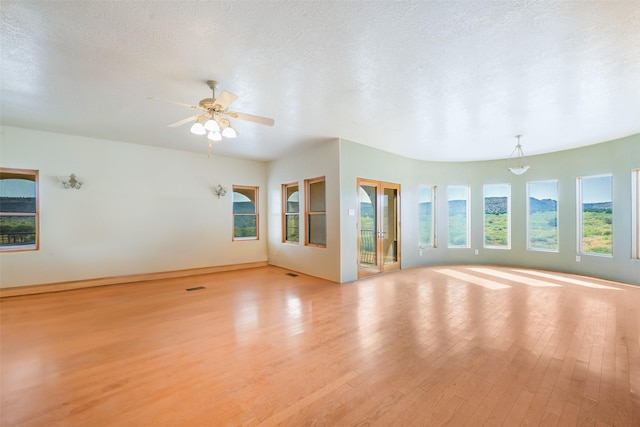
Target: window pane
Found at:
x=317, y=229
x=367, y=223
x=316, y=197
x=18, y=195
x=244, y=201
x=291, y=228
x=17, y=230
x=596, y=215
x=245, y=212
x=315, y=212
x=458, y=216
x=426, y=217
x=497, y=228
x=245, y=226
x=293, y=204
x=290, y=210
x=542, y=215
x=18, y=209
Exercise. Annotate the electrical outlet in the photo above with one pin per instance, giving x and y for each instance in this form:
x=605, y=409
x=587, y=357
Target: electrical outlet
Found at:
x=420, y=252
x=578, y=258
x=477, y=252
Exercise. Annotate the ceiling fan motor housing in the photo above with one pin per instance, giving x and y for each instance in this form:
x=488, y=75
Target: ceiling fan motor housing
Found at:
x=210, y=105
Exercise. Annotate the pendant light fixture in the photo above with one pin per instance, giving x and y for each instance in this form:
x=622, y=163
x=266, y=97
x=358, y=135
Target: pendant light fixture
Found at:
x=517, y=161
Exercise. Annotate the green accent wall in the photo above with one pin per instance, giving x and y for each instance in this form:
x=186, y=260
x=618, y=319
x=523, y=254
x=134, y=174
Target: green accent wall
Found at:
x=618, y=157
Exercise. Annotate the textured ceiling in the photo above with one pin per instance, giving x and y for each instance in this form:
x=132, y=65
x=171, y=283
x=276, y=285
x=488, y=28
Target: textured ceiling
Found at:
x=429, y=80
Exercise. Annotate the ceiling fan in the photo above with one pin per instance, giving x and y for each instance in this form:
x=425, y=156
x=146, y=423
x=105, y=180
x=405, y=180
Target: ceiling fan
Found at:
x=212, y=119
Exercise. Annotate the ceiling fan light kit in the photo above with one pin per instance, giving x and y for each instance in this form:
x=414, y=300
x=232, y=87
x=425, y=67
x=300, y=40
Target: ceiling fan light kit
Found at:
x=229, y=132
x=198, y=129
x=214, y=136
x=212, y=125
x=211, y=122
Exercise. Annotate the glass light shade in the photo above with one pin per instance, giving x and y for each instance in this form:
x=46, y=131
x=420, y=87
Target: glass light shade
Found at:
x=212, y=125
x=520, y=169
x=198, y=129
x=229, y=132
x=214, y=136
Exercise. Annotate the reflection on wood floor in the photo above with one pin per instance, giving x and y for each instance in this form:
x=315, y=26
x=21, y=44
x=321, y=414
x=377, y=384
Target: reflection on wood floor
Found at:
x=442, y=345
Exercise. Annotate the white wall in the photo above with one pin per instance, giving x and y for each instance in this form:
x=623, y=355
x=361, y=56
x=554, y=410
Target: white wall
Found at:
x=618, y=157
x=321, y=160
x=144, y=209
x=141, y=209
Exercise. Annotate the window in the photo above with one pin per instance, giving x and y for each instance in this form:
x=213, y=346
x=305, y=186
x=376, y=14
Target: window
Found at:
x=595, y=215
x=542, y=216
x=290, y=213
x=427, y=216
x=458, y=216
x=245, y=213
x=316, y=212
x=18, y=209
x=497, y=216
x=635, y=192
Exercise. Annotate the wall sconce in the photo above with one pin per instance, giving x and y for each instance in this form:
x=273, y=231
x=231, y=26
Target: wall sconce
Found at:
x=71, y=181
x=219, y=190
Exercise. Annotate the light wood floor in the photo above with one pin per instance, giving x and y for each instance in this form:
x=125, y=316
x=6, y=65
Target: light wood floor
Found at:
x=463, y=345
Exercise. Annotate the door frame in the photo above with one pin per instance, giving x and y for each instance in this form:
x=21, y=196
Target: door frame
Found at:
x=380, y=266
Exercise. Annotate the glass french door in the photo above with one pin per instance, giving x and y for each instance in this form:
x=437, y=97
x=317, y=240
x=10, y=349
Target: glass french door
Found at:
x=378, y=227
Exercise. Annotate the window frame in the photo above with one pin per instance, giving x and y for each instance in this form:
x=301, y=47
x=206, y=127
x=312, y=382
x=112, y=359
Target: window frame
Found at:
x=434, y=234
x=256, y=214
x=635, y=214
x=580, y=218
x=484, y=219
x=286, y=214
x=34, y=175
x=309, y=213
x=468, y=218
x=528, y=215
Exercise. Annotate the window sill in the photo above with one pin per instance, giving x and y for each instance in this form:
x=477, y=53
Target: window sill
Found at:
x=18, y=248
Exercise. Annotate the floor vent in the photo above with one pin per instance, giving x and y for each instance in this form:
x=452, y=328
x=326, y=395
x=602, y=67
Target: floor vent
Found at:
x=197, y=288
x=292, y=274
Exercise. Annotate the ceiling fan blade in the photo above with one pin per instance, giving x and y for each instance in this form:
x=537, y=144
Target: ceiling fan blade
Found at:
x=183, y=121
x=251, y=118
x=225, y=99
x=176, y=103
